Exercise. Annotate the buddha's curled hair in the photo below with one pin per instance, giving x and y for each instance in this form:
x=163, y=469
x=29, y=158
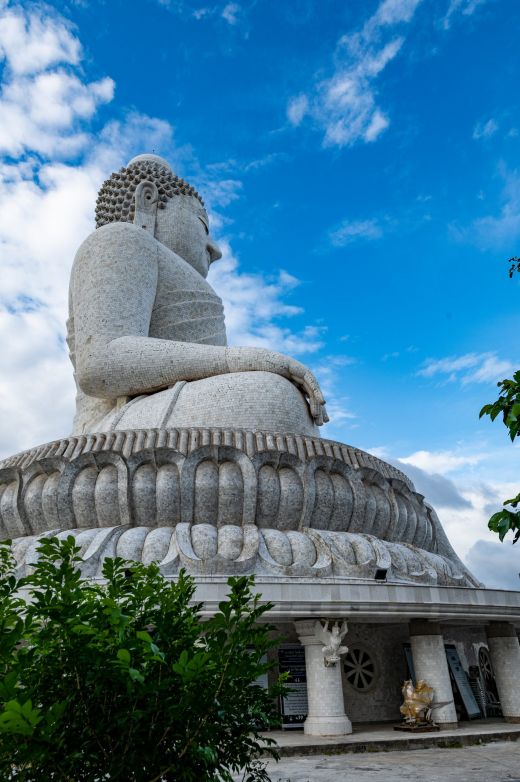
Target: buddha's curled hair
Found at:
x=115, y=202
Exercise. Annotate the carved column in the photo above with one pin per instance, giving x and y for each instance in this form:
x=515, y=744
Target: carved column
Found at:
x=326, y=715
x=429, y=660
x=504, y=651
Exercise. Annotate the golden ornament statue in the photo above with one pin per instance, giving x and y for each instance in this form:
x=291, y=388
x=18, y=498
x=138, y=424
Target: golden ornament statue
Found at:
x=417, y=705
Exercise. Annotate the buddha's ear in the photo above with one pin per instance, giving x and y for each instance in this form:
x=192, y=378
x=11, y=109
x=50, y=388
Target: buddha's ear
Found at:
x=146, y=201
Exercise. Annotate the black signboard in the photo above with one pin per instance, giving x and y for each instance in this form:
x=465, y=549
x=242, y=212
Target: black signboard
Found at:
x=291, y=659
x=409, y=662
x=462, y=682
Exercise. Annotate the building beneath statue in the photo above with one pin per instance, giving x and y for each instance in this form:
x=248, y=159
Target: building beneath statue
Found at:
x=196, y=455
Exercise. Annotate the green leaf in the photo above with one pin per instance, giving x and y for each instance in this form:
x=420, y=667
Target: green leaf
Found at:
x=124, y=656
x=8, y=686
x=83, y=630
x=19, y=719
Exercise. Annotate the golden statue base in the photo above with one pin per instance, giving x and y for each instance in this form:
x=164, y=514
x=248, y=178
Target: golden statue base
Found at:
x=425, y=727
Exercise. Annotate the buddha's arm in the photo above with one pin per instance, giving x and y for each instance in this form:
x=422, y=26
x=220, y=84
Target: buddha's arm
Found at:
x=113, y=294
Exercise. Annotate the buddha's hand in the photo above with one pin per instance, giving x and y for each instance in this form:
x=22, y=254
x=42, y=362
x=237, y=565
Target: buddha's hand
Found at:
x=261, y=360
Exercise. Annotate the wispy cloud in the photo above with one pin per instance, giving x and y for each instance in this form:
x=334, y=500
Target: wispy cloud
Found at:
x=501, y=230
x=245, y=166
x=352, y=230
x=451, y=480
x=460, y=7
x=42, y=100
x=441, y=462
x=231, y=12
x=496, y=564
x=255, y=305
x=33, y=43
x=484, y=130
x=441, y=492
x=331, y=375
x=344, y=106
x=468, y=368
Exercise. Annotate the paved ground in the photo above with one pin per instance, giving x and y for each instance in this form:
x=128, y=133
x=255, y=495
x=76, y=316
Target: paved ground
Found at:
x=498, y=762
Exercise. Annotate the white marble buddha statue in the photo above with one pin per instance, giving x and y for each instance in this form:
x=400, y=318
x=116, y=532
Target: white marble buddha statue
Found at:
x=146, y=330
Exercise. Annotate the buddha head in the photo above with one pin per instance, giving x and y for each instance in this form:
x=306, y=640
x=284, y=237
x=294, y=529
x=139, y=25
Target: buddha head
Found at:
x=177, y=215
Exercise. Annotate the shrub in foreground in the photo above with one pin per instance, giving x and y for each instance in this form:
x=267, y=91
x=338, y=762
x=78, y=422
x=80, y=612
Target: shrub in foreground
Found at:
x=123, y=680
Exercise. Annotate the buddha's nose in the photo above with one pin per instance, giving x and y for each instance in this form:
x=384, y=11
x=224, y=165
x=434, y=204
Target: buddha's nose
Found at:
x=213, y=250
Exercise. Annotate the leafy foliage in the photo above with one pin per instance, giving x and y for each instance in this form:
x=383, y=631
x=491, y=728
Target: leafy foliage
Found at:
x=123, y=680
x=507, y=405
x=514, y=265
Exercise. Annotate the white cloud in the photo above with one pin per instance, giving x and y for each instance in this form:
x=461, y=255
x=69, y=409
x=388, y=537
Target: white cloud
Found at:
x=441, y=492
x=352, y=230
x=40, y=113
x=221, y=192
x=502, y=230
x=466, y=525
x=344, y=105
x=497, y=565
x=463, y=7
x=484, y=130
x=254, y=305
x=395, y=11
x=231, y=13
x=199, y=13
x=441, y=462
x=464, y=500
x=42, y=102
x=331, y=375
x=297, y=109
x=469, y=368
x=31, y=43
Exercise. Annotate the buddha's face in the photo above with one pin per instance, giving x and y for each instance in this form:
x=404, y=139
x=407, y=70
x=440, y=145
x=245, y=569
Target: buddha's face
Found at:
x=183, y=227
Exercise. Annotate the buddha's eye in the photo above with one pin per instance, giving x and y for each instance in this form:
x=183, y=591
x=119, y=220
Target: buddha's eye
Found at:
x=204, y=224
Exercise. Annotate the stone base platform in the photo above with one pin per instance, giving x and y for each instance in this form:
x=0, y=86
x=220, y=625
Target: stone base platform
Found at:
x=380, y=737
x=227, y=501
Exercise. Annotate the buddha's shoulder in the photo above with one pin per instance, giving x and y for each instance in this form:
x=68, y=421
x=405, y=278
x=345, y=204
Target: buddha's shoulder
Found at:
x=118, y=240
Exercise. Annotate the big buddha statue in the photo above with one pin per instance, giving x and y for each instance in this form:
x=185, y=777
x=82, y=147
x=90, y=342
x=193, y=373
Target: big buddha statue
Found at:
x=146, y=331
x=191, y=453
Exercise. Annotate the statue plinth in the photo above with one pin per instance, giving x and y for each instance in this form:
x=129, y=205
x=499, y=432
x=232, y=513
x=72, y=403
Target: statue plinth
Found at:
x=226, y=502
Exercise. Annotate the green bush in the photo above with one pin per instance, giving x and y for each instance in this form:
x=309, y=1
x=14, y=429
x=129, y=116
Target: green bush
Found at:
x=123, y=680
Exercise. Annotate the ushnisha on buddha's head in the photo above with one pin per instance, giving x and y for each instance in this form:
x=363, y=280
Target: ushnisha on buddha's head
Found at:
x=146, y=192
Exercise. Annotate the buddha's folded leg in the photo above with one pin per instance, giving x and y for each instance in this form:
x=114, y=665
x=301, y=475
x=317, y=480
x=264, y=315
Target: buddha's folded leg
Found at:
x=243, y=400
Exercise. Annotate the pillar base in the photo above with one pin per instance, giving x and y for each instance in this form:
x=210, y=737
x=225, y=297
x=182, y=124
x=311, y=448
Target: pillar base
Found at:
x=447, y=725
x=513, y=720
x=327, y=726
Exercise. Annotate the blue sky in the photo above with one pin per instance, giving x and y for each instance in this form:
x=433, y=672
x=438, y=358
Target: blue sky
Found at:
x=360, y=163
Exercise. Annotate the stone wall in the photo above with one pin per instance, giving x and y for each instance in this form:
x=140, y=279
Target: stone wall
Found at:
x=384, y=644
